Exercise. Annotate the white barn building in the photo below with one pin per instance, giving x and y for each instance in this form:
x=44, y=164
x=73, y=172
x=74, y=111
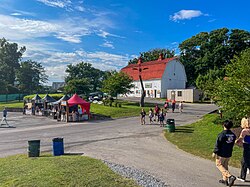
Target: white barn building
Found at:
x=158, y=77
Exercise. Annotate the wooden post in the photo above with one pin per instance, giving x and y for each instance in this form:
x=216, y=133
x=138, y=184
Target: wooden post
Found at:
x=140, y=69
x=143, y=92
x=67, y=111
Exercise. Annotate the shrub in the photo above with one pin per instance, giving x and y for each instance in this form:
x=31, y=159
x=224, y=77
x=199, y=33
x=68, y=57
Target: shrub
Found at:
x=55, y=96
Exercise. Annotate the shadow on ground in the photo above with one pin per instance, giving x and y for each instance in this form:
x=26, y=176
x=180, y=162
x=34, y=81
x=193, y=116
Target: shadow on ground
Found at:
x=184, y=129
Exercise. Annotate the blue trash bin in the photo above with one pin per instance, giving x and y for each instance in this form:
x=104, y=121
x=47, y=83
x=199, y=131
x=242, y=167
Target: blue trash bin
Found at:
x=58, y=147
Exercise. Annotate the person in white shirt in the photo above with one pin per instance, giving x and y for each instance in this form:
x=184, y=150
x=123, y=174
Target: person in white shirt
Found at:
x=180, y=107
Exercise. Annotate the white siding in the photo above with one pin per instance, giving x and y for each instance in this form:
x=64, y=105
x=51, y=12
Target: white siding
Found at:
x=187, y=95
x=174, y=77
x=152, y=88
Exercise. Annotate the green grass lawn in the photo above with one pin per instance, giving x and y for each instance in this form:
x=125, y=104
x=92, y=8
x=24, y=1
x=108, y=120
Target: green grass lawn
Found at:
x=199, y=138
x=52, y=171
x=128, y=109
x=11, y=104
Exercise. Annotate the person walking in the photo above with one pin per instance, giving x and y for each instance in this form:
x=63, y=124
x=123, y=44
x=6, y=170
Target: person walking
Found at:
x=180, y=107
x=162, y=117
x=24, y=110
x=143, y=114
x=4, y=120
x=173, y=105
x=150, y=115
x=156, y=111
x=244, y=141
x=166, y=106
x=223, y=151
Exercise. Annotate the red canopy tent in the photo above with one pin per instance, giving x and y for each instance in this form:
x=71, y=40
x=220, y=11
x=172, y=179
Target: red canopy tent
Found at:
x=76, y=100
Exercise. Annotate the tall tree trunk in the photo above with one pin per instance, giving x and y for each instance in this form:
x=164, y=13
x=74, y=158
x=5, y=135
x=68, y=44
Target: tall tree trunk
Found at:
x=143, y=93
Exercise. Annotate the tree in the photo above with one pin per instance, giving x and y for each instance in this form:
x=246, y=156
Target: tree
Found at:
x=153, y=55
x=207, y=82
x=10, y=57
x=30, y=76
x=117, y=83
x=211, y=50
x=79, y=86
x=3, y=87
x=86, y=73
x=233, y=92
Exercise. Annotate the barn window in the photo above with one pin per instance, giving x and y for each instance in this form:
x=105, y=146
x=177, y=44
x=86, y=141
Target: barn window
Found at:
x=179, y=93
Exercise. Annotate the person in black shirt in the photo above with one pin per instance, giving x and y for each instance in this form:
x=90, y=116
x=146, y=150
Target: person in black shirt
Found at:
x=143, y=114
x=223, y=151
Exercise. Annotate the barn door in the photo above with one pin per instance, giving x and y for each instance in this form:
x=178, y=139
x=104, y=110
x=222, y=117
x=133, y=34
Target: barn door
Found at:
x=172, y=95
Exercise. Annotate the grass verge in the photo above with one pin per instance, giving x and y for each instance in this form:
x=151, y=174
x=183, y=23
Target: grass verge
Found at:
x=128, y=109
x=58, y=171
x=199, y=139
x=11, y=104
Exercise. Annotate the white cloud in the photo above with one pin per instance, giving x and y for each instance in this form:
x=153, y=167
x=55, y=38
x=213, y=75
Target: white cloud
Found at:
x=18, y=29
x=211, y=20
x=55, y=62
x=69, y=37
x=70, y=30
x=16, y=14
x=56, y=3
x=105, y=34
x=108, y=44
x=80, y=8
x=39, y=38
x=114, y=60
x=65, y=4
x=185, y=14
x=56, y=73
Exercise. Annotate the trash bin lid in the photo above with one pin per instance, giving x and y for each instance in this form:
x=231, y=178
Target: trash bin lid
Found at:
x=57, y=139
x=33, y=140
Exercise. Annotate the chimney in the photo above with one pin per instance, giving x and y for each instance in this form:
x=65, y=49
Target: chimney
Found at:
x=139, y=60
x=160, y=57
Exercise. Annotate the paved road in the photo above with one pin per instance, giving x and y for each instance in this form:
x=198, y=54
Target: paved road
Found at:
x=121, y=141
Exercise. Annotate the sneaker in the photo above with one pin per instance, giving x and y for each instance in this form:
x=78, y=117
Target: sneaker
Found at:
x=248, y=171
x=223, y=182
x=240, y=179
x=231, y=180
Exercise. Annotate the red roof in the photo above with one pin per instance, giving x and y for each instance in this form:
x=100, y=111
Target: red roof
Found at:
x=155, y=69
x=76, y=100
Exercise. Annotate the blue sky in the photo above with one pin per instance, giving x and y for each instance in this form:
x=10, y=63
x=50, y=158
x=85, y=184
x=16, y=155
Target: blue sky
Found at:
x=108, y=33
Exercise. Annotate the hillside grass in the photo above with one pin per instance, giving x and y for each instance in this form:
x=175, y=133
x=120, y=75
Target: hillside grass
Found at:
x=199, y=138
x=58, y=171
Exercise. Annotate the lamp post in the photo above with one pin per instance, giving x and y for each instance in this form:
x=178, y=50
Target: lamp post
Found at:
x=140, y=69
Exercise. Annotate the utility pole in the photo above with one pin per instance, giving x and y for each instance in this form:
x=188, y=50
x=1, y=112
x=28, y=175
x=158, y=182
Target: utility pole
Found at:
x=140, y=69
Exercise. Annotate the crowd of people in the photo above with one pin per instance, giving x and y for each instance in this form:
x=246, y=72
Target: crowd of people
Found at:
x=159, y=114
x=224, y=148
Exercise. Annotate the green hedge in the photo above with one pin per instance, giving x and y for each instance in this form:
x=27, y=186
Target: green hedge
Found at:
x=55, y=96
